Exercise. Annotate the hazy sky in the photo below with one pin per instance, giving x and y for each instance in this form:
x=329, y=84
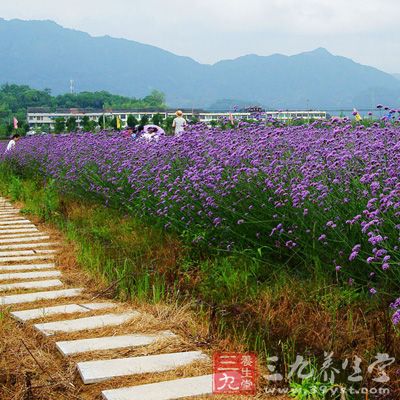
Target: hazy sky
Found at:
x=367, y=31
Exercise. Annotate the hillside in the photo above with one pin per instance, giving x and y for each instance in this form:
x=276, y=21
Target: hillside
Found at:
x=45, y=55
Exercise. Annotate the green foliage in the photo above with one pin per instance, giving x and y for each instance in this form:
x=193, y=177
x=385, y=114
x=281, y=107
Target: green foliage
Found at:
x=87, y=124
x=132, y=121
x=71, y=124
x=15, y=188
x=105, y=122
x=50, y=203
x=59, y=125
x=157, y=119
x=168, y=125
x=309, y=389
x=155, y=99
x=103, y=99
x=144, y=120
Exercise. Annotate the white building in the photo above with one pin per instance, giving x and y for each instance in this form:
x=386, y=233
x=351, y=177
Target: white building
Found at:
x=40, y=117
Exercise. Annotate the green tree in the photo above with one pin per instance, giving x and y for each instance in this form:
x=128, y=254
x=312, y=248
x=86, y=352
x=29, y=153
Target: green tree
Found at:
x=144, y=120
x=59, y=125
x=193, y=120
x=157, y=119
x=131, y=121
x=155, y=99
x=168, y=125
x=88, y=125
x=93, y=125
x=71, y=124
x=103, y=121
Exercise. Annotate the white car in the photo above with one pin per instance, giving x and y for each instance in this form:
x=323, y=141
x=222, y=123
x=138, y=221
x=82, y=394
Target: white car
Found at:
x=30, y=133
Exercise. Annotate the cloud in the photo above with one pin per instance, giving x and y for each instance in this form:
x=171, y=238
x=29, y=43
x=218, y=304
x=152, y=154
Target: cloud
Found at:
x=209, y=30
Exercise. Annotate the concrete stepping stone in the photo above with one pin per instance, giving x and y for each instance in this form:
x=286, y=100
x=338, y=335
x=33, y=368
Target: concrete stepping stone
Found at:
x=37, y=296
x=16, y=253
x=31, y=285
x=101, y=370
x=36, y=313
x=26, y=258
x=25, y=246
x=70, y=347
x=19, y=230
x=13, y=220
x=16, y=226
x=81, y=324
x=22, y=235
x=24, y=239
x=29, y=275
x=25, y=252
x=21, y=267
x=11, y=217
x=167, y=390
x=18, y=222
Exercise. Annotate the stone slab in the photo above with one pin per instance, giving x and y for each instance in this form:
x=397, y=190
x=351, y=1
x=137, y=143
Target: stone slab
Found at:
x=26, y=246
x=81, y=324
x=167, y=390
x=17, y=230
x=22, y=267
x=25, y=252
x=37, y=296
x=15, y=222
x=29, y=275
x=17, y=253
x=30, y=285
x=24, y=239
x=101, y=370
x=70, y=347
x=26, y=258
x=27, y=315
x=23, y=235
x=15, y=226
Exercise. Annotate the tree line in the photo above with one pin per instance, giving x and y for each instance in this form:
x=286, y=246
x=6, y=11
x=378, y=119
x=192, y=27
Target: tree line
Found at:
x=15, y=99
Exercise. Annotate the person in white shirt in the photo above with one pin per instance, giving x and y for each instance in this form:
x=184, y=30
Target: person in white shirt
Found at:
x=12, y=142
x=179, y=123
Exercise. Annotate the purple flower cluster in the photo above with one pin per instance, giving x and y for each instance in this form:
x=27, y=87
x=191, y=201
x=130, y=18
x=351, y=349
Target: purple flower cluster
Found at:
x=396, y=315
x=328, y=191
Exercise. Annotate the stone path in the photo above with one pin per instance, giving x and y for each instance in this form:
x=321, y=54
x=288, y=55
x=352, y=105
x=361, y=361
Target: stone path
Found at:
x=26, y=257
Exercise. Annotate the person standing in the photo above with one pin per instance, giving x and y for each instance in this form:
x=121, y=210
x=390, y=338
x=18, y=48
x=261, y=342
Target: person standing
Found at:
x=12, y=142
x=179, y=123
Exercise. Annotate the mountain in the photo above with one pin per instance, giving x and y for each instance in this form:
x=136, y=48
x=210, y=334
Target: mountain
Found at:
x=397, y=76
x=45, y=55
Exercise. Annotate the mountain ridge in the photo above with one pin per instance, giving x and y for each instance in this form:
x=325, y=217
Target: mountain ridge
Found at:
x=313, y=78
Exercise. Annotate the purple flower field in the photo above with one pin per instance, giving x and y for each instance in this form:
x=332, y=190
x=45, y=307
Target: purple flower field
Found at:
x=324, y=196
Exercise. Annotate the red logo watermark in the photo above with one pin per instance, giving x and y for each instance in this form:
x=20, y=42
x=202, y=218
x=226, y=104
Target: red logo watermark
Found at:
x=235, y=373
